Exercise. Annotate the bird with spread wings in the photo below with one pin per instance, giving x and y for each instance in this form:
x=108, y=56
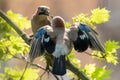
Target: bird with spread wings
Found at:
x=58, y=41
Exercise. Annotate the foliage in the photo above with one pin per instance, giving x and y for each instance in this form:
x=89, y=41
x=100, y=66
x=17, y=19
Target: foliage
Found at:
x=67, y=24
x=10, y=42
x=21, y=21
x=98, y=16
x=73, y=59
x=11, y=45
x=99, y=73
x=15, y=74
x=111, y=52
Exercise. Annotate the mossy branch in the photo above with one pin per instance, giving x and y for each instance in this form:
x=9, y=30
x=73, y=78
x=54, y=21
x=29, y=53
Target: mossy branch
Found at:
x=26, y=38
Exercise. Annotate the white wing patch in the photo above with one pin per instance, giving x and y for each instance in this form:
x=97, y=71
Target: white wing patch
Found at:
x=82, y=37
x=47, y=39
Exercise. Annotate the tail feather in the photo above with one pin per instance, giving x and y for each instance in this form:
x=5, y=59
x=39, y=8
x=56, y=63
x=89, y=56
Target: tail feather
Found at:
x=59, y=66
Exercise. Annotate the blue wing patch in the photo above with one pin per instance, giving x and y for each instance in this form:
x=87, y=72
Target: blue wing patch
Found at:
x=83, y=27
x=40, y=33
x=94, y=43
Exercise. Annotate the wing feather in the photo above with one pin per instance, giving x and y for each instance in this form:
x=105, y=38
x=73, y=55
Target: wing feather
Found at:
x=94, y=43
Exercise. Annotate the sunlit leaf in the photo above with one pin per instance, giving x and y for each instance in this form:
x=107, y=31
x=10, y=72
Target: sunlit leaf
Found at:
x=111, y=46
x=73, y=59
x=100, y=15
x=101, y=73
x=110, y=56
x=89, y=69
x=67, y=25
x=21, y=21
x=96, y=73
x=15, y=74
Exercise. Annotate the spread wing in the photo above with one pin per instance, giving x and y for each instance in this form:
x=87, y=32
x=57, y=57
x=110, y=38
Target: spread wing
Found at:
x=84, y=37
x=81, y=43
x=79, y=38
x=42, y=42
x=94, y=43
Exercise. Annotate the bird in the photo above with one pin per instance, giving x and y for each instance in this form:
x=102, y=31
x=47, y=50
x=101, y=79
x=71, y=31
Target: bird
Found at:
x=58, y=41
x=40, y=18
x=63, y=46
x=55, y=41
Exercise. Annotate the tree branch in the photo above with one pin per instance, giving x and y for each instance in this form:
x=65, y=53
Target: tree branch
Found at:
x=49, y=58
x=24, y=36
x=76, y=71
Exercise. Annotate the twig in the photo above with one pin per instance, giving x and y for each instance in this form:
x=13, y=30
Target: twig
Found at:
x=54, y=75
x=76, y=71
x=24, y=71
x=42, y=75
x=94, y=55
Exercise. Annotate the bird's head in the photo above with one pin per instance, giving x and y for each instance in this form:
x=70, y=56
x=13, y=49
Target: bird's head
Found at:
x=43, y=10
x=58, y=21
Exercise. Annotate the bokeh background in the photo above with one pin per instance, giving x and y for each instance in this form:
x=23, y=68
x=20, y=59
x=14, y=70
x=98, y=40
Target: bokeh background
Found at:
x=69, y=8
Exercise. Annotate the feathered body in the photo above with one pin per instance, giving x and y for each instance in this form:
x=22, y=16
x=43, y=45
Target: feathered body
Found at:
x=40, y=18
x=55, y=39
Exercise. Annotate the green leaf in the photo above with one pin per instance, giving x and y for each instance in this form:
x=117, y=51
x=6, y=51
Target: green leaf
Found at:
x=100, y=15
x=111, y=46
x=31, y=74
x=101, y=73
x=110, y=56
x=89, y=69
x=111, y=50
x=96, y=73
x=67, y=25
x=73, y=59
x=10, y=43
x=15, y=74
x=81, y=18
x=21, y=21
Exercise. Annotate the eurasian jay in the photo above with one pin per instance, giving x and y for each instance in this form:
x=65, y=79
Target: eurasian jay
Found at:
x=58, y=41
x=63, y=45
x=52, y=39
x=40, y=18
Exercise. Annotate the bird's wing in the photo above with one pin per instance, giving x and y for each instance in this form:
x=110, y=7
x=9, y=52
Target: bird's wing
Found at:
x=79, y=38
x=41, y=42
x=94, y=43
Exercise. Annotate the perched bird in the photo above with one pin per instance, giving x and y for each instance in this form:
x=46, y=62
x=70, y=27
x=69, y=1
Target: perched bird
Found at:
x=52, y=39
x=85, y=37
x=40, y=18
x=63, y=46
x=55, y=39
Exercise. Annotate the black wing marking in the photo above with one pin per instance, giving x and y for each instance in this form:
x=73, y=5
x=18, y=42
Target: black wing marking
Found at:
x=49, y=44
x=94, y=43
x=81, y=43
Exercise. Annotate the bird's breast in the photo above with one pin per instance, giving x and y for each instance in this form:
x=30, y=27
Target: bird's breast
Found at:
x=63, y=45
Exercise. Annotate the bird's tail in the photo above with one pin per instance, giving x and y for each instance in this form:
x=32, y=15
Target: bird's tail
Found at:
x=59, y=66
